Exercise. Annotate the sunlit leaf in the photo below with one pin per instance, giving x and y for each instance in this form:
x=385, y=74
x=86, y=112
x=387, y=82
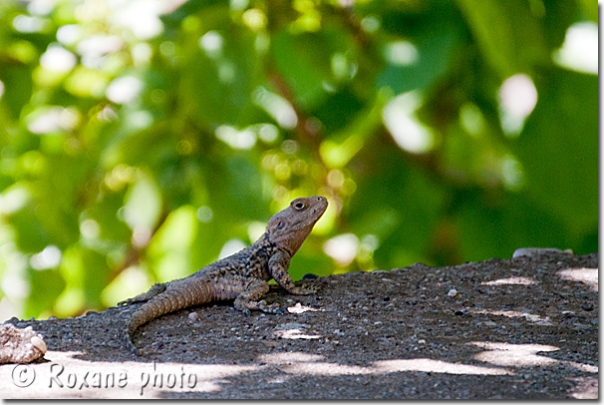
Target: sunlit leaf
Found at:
x=171, y=248
x=142, y=204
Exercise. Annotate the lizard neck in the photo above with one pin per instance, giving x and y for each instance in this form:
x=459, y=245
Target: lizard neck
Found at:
x=266, y=243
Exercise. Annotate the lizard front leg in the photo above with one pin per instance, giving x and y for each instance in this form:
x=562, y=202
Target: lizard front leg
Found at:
x=278, y=265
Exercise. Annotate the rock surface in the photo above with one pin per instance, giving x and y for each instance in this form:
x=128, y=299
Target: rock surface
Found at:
x=20, y=345
x=525, y=328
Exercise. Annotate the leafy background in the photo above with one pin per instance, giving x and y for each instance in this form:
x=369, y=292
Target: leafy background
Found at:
x=143, y=139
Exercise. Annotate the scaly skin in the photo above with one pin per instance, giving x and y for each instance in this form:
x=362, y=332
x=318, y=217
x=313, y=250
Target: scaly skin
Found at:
x=242, y=276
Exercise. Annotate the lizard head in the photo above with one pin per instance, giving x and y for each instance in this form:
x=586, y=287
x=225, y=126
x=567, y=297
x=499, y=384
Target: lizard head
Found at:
x=289, y=228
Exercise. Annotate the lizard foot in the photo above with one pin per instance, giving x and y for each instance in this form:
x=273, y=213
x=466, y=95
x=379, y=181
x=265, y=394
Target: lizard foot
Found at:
x=247, y=306
x=272, y=308
x=137, y=352
x=304, y=290
x=130, y=345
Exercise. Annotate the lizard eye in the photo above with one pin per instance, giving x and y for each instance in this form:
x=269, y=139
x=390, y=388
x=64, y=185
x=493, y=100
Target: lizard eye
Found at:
x=299, y=205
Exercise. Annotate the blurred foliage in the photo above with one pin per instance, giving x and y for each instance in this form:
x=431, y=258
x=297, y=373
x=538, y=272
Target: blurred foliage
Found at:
x=141, y=139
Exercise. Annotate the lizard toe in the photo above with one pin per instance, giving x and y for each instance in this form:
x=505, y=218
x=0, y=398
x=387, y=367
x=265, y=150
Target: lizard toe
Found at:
x=273, y=309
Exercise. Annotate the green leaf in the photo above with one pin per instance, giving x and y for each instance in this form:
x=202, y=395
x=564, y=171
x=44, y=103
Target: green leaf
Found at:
x=407, y=207
x=171, y=248
x=143, y=204
x=46, y=286
x=218, y=82
x=29, y=235
x=560, y=14
x=95, y=276
x=507, y=33
x=589, y=7
x=105, y=214
x=306, y=61
x=236, y=188
x=558, y=148
x=496, y=225
x=16, y=95
x=418, y=63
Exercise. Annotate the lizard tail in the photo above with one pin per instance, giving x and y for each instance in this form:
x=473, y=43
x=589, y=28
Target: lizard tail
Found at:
x=176, y=296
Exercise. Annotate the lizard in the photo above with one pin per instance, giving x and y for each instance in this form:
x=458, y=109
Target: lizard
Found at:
x=242, y=276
